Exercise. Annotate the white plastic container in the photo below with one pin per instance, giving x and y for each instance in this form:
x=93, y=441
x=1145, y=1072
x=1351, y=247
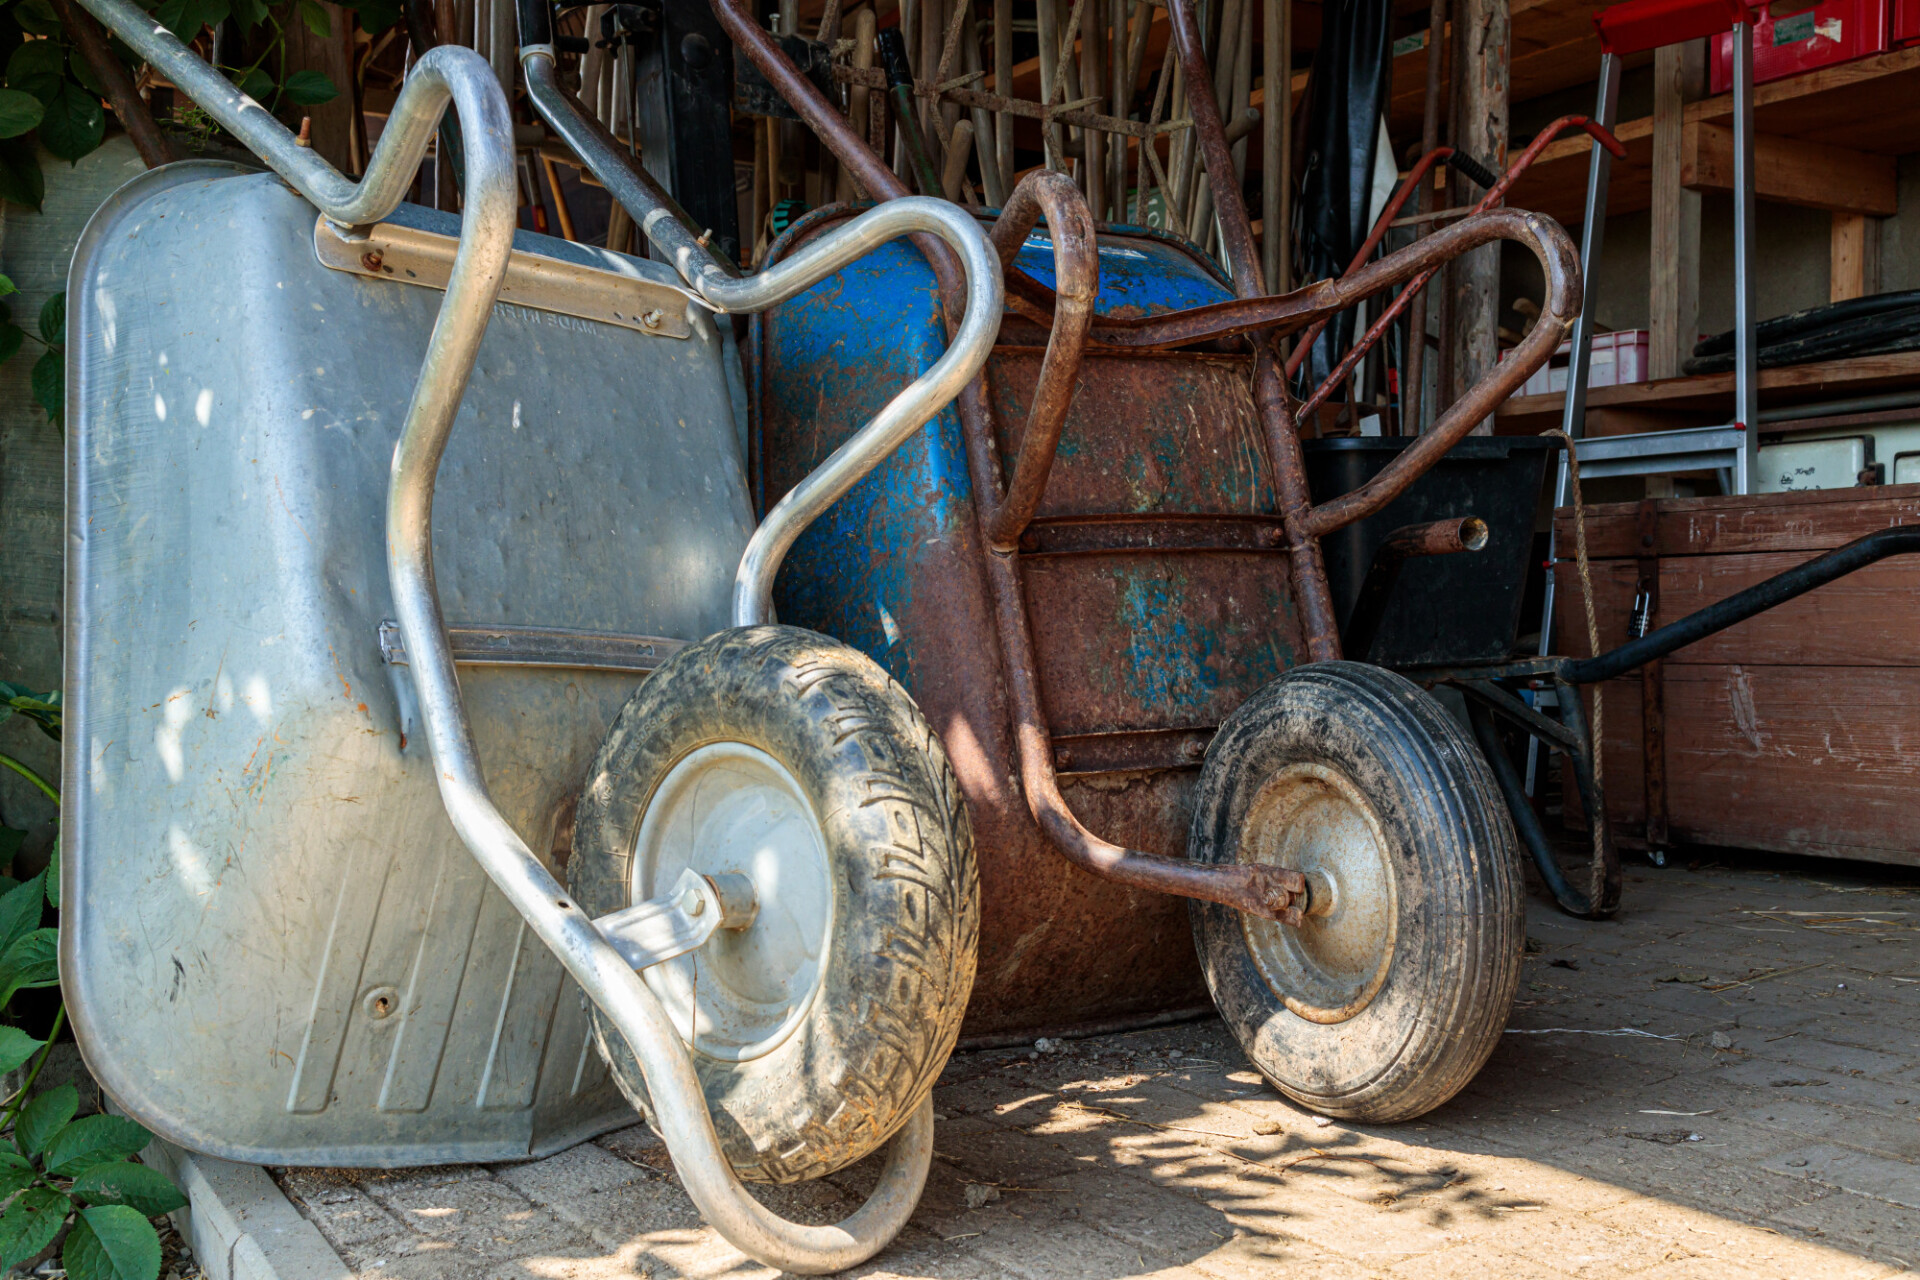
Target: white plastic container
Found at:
x=1617, y=359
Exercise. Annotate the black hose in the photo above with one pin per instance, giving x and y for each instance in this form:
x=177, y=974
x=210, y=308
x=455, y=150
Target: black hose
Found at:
x=1742, y=605
x=1525, y=821
x=536, y=22
x=1472, y=170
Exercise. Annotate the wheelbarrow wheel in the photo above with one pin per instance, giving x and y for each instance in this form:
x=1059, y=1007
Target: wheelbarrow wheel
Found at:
x=788, y=757
x=1395, y=988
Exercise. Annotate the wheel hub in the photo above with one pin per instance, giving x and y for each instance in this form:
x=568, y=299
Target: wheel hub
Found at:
x=1331, y=965
x=730, y=807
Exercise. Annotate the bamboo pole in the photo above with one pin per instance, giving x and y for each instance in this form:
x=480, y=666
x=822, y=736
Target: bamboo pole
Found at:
x=859, y=99
x=1275, y=122
x=986, y=127
x=1003, y=85
x=1094, y=143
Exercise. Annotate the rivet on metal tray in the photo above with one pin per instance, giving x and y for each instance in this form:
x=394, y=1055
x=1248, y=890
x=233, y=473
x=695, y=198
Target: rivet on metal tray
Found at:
x=1194, y=748
x=381, y=1002
x=1062, y=758
x=370, y=260
x=652, y=318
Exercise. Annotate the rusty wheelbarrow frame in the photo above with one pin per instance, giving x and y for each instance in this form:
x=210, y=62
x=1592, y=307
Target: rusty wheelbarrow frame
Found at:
x=1005, y=504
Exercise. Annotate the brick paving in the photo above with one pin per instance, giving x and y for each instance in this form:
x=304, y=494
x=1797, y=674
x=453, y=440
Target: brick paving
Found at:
x=1759, y=1118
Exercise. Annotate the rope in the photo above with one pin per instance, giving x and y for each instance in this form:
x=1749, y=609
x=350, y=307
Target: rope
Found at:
x=1586, y=587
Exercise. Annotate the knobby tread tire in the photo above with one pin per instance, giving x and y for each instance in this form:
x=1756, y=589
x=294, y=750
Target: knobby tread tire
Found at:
x=906, y=917
x=1455, y=862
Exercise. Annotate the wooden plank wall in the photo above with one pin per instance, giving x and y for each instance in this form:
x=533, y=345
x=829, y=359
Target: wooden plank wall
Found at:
x=1796, y=731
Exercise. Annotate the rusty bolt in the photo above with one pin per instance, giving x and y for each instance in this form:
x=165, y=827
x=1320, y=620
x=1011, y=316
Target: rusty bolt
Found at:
x=652, y=318
x=1194, y=748
x=371, y=260
x=1062, y=758
x=1029, y=541
x=1271, y=536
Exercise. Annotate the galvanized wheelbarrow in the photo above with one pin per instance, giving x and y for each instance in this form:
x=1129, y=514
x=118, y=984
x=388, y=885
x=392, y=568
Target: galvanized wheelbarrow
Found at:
x=277, y=948
x=1101, y=577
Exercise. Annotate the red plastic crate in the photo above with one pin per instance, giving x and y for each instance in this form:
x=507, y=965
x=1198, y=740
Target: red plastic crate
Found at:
x=1906, y=23
x=1829, y=32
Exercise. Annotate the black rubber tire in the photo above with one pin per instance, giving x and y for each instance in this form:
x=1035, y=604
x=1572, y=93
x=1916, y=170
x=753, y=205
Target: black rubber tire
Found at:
x=905, y=921
x=1453, y=960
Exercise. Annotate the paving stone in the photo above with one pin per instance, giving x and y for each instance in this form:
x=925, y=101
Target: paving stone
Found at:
x=1894, y=1181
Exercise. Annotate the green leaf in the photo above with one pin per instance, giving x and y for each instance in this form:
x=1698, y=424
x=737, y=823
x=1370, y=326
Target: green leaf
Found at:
x=37, y=68
x=7, y=287
x=36, y=17
x=19, y=112
x=74, y=124
x=318, y=20
x=21, y=181
x=310, y=88
x=112, y=1242
x=141, y=1186
x=377, y=15
x=93, y=1140
x=50, y=384
x=20, y=911
x=256, y=84
x=44, y=1116
x=11, y=336
x=16, y=1046
x=249, y=13
x=185, y=18
x=30, y=1223
x=53, y=876
x=30, y=963
x=10, y=1159
x=53, y=319
x=14, y=1180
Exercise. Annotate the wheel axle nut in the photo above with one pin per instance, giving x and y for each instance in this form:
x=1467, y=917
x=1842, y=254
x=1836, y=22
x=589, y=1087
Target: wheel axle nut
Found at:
x=692, y=903
x=1322, y=896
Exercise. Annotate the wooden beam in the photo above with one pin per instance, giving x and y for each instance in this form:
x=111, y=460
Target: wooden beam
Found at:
x=1855, y=266
x=1480, y=79
x=1790, y=171
x=1679, y=72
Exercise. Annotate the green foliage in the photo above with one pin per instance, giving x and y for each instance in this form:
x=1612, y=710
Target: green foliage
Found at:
x=49, y=382
x=62, y=1171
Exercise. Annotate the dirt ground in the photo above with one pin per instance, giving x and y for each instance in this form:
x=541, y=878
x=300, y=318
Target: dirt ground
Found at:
x=1723, y=1082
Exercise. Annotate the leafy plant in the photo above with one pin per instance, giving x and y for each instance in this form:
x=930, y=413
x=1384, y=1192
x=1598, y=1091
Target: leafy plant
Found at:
x=51, y=94
x=61, y=1174
x=50, y=370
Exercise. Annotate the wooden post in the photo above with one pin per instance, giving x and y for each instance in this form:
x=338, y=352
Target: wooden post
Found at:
x=1481, y=74
x=1276, y=124
x=332, y=56
x=1679, y=77
x=1414, y=392
x=1856, y=257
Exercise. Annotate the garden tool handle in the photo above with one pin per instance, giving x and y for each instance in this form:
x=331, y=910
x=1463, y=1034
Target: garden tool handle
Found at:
x=486, y=238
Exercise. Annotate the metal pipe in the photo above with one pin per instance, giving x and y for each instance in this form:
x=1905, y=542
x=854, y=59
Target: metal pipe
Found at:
x=907, y=412
x=1746, y=350
x=1742, y=605
x=1076, y=257
x=1437, y=538
x=1236, y=230
x=1832, y=408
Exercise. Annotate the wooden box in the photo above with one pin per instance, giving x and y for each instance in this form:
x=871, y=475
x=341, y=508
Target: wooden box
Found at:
x=1796, y=731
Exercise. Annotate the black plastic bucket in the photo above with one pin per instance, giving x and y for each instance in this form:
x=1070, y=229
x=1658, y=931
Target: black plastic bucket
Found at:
x=1455, y=608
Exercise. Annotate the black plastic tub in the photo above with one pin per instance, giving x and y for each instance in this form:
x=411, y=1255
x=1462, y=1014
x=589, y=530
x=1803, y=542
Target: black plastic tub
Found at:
x=1455, y=608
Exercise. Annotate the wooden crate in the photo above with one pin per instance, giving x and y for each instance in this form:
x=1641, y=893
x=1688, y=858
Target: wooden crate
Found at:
x=1796, y=731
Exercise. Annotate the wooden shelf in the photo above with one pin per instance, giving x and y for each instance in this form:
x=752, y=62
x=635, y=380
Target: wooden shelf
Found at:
x=1677, y=402
x=1867, y=107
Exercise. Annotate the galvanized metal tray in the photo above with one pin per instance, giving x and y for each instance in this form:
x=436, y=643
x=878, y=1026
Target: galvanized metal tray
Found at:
x=275, y=947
